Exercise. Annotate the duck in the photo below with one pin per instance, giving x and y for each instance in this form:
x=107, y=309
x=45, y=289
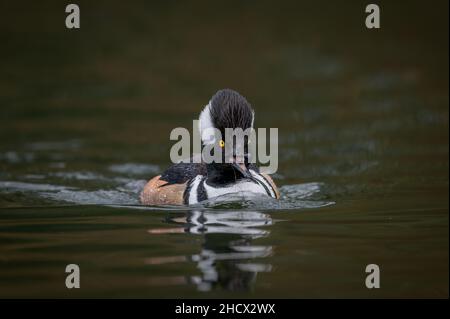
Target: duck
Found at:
x=192, y=182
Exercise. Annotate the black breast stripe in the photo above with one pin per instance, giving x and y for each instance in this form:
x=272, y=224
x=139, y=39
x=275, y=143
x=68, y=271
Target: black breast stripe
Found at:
x=268, y=183
x=187, y=192
x=265, y=187
x=201, y=191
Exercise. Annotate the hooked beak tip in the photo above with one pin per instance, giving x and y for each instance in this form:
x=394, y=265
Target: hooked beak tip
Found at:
x=241, y=168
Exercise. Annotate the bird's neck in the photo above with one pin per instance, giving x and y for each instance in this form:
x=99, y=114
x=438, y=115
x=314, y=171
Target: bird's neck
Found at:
x=221, y=174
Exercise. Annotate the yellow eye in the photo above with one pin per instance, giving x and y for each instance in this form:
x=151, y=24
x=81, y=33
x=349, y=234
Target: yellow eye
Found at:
x=222, y=143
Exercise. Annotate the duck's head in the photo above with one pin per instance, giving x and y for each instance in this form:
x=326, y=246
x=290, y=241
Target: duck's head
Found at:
x=227, y=109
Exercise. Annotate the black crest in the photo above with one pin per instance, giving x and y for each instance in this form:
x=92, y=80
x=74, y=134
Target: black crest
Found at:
x=229, y=109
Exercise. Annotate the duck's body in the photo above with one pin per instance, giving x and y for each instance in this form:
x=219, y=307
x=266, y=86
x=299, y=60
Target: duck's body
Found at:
x=191, y=183
x=188, y=183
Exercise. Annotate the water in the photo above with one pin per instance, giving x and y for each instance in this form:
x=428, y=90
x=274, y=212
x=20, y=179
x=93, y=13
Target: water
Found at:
x=363, y=172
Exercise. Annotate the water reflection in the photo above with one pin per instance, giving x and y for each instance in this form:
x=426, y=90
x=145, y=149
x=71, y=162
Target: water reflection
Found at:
x=228, y=258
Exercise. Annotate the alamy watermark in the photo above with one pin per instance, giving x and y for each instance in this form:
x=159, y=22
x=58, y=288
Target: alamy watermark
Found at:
x=373, y=277
x=73, y=17
x=373, y=18
x=236, y=145
x=73, y=277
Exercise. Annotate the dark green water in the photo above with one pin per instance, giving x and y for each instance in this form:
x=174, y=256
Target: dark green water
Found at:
x=85, y=117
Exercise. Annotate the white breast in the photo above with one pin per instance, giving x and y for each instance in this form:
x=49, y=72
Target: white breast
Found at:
x=241, y=187
x=193, y=198
x=244, y=186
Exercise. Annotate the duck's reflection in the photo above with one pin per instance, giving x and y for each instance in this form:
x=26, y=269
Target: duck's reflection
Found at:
x=228, y=257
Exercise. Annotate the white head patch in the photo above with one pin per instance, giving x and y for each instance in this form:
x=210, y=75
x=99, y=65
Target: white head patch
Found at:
x=206, y=126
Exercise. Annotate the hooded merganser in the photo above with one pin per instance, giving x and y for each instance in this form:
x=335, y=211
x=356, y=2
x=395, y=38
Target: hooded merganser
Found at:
x=191, y=183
